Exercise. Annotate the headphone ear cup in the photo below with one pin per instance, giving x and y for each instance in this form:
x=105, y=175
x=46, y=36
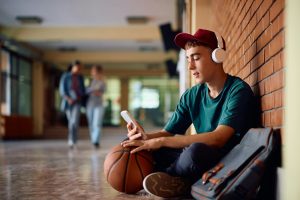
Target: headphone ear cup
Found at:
x=218, y=55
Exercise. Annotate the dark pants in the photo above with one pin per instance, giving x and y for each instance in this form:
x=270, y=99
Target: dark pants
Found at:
x=190, y=162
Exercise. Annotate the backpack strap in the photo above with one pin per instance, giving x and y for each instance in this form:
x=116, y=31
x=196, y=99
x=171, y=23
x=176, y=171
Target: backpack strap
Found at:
x=210, y=173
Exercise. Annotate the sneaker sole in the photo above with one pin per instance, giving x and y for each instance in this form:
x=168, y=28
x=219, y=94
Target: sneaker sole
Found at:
x=161, y=184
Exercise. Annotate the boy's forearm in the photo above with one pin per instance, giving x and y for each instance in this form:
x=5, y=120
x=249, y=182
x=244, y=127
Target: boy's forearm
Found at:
x=158, y=134
x=216, y=138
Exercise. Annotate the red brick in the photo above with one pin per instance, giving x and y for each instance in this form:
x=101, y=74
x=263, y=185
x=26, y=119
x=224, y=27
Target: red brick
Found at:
x=258, y=30
x=234, y=70
x=266, y=70
x=261, y=57
x=282, y=54
x=248, y=42
x=248, y=5
x=267, y=52
x=264, y=39
x=253, y=79
x=261, y=86
x=277, y=80
x=278, y=24
x=276, y=8
x=267, y=102
x=255, y=6
x=241, y=52
x=266, y=20
x=266, y=119
x=250, y=53
x=254, y=64
x=277, y=117
x=277, y=43
x=239, y=9
x=257, y=61
x=247, y=80
x=268, y=85
x=263, y=8
x=245, y=71
x=278, y=62
x=242, y=38
x=241, y=17
x=278, y=98
x=245, y=21
x=252, y=24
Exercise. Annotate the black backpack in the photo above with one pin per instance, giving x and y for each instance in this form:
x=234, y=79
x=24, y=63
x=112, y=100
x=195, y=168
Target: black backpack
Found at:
x=239, y=174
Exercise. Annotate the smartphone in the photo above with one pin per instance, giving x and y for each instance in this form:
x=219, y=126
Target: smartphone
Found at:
x=128, y=118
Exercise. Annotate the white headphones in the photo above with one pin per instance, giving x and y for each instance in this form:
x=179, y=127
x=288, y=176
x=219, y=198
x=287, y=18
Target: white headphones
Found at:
x=219, y=54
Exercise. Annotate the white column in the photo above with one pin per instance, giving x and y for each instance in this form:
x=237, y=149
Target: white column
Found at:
x=291, y=164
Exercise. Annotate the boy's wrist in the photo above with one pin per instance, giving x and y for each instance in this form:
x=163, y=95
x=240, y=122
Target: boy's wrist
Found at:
x=162, y=141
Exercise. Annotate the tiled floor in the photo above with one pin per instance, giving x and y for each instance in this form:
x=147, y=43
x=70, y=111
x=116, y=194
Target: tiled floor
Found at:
x=48, y=169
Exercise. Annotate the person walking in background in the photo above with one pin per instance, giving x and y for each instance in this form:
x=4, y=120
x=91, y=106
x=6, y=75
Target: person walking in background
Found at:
x=61, y=84
x=72, y=90
x=95, y=108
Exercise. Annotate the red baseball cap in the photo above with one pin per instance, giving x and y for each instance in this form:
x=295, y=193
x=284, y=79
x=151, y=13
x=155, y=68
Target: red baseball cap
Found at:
x=203, y=36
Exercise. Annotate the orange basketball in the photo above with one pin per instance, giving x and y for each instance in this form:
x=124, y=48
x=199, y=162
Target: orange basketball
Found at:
x=125, y=171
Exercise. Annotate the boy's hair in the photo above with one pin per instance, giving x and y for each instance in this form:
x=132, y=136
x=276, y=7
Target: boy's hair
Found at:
x=194, y=43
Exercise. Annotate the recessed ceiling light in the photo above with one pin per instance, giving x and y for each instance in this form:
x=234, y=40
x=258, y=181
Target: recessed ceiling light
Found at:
x=29, y=19
x=67, y=49
x=137, y=19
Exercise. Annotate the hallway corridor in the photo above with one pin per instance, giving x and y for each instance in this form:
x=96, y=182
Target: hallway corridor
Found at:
x=48, y=169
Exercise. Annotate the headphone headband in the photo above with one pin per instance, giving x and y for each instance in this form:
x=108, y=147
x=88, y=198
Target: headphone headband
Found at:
x=218, y=55
x=220, y=40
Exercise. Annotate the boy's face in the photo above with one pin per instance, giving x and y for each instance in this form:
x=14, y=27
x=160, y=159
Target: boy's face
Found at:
x=200, y=63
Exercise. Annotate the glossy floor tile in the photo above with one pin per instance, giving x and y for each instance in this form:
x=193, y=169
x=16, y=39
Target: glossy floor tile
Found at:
x=48, y=169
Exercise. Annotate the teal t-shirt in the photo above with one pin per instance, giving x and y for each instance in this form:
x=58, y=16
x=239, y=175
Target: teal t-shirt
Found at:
x=232, y=107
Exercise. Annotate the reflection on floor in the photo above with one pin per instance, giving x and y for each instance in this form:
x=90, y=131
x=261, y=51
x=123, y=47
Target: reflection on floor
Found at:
x=47, y=169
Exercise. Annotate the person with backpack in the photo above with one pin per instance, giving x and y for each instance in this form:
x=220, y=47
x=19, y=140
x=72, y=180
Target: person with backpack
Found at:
x=220, y=106
x=72, y=91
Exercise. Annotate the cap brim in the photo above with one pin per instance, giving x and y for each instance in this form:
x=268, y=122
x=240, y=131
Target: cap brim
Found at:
x=182, y=38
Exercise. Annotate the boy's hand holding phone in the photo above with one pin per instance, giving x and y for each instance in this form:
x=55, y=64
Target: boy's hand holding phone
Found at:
x=135, y=130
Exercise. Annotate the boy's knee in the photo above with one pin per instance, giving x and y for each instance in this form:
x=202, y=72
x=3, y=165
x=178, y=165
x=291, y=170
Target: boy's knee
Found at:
x=197, y=150
x=195, y=159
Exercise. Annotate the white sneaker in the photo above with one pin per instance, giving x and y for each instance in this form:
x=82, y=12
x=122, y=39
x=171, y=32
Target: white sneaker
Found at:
x=71, y=144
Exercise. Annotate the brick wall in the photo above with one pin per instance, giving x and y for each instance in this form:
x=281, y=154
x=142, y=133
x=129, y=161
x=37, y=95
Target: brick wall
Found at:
x=254, y=32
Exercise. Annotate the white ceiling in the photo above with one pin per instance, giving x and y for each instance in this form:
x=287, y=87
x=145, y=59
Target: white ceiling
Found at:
x=88, y=12
x=91, y=13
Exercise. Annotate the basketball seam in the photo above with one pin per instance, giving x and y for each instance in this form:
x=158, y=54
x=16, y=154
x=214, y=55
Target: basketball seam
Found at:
x=138, y=164
x=126, y=171
x=114, y=163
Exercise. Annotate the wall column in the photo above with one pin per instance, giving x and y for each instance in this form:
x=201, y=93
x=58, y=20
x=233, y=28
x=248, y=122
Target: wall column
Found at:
x=197, y=16
x=124, y=96
x=292, y=138
x=38, y=98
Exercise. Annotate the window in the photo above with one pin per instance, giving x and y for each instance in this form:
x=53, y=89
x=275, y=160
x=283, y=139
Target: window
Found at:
x=16, y=77
x=150, y=98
